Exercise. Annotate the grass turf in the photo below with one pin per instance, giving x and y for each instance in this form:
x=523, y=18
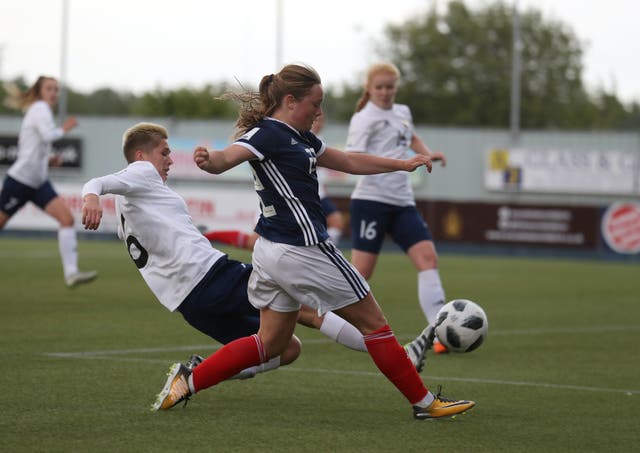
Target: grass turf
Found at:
x=560, y=370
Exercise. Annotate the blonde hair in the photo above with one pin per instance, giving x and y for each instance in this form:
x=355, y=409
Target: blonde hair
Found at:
x=144, y=136
x=374, y=70
x=294, y=79
x=21, y=100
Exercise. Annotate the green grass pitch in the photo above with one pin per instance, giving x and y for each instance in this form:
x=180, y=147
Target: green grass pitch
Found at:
x=559, y=371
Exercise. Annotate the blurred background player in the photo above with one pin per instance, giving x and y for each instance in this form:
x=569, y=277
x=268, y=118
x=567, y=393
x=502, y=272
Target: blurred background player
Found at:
x=384, y=204
x=27, y=179
x=294, y=261
x=335, y=222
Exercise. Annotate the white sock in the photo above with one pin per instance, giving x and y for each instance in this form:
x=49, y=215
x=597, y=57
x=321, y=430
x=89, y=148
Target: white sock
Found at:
x=68, y=245
x=262, y=368
x=335, y=234
x=342, y=332
x=426, y=401
x=430, y=293
x=192, y=387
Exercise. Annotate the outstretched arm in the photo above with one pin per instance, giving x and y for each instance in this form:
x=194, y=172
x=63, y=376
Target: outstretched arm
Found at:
x=126, y=182
x=421, y=148
x=367, y=164
x=217, y=162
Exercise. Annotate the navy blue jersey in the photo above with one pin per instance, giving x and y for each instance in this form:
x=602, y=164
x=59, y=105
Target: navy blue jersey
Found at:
x=286, y=182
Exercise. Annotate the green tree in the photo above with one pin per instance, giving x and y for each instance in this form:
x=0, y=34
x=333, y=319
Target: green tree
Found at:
x=103, y=101
x=456, y=67
x=185, y=102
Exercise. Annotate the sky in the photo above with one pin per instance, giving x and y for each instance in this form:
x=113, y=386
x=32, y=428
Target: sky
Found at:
x=140, y=45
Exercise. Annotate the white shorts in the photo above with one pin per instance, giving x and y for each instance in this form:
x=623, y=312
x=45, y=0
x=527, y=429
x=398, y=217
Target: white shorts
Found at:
x=319, y=276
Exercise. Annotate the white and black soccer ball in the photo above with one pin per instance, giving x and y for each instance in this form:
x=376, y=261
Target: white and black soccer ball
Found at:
x=461, y=325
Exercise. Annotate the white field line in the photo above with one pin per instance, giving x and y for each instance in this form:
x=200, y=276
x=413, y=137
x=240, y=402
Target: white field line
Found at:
x=116, y=355
x=213, y=347
x=293, y=368
x=563, y=330
x=473, y=380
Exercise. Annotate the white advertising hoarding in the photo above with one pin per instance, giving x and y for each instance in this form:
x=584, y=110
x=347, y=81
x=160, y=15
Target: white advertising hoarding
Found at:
x=222, y=209
x=608, y=172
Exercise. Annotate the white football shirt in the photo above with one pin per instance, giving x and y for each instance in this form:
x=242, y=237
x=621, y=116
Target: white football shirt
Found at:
x=385, y=133
x=169, y=251
x=37, y=132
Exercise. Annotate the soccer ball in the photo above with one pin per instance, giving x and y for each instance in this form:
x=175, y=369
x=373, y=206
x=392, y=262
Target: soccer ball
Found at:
x=461, y=325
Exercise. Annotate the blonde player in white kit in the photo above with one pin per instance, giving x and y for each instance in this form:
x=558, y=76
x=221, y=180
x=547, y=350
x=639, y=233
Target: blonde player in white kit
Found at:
x=384, y=204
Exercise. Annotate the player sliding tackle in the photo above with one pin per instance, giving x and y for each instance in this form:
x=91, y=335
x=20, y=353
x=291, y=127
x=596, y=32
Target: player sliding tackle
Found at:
x=178, y=264
x=294, y=261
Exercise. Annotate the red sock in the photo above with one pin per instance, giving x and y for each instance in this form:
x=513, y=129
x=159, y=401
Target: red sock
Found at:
x=232, y=237
x=228, y=361
x=392, y=360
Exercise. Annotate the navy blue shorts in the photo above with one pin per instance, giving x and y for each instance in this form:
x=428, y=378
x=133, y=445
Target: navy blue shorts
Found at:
x=371, y=221
x=218, y=306
x=328, y=206
x=15, y=195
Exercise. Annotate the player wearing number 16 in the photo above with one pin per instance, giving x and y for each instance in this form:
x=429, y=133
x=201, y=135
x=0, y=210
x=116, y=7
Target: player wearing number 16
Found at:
x=384, y=204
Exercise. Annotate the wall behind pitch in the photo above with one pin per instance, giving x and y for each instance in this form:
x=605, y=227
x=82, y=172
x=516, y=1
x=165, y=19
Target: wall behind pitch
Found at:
x=461, y=181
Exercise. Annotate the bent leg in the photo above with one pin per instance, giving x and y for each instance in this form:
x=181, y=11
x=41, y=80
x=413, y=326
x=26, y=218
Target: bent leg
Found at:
x=276, y=330
x=273, y=338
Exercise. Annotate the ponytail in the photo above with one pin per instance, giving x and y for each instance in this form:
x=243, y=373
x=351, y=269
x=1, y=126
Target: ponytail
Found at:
x=294, y=79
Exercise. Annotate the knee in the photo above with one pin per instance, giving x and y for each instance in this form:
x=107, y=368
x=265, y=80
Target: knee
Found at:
x=424, y=258
x=279, y=345
x=66, y=221
x=292, y=351
x=431, y=261
x=65, y=218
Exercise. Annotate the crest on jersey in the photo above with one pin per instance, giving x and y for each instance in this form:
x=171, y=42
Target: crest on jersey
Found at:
x=250, y=134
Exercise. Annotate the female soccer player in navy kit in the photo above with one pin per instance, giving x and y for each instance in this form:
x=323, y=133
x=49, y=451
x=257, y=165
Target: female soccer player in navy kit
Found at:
x=177, y=262
x=294, y=262
x=384, y=204
x=27, y=179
